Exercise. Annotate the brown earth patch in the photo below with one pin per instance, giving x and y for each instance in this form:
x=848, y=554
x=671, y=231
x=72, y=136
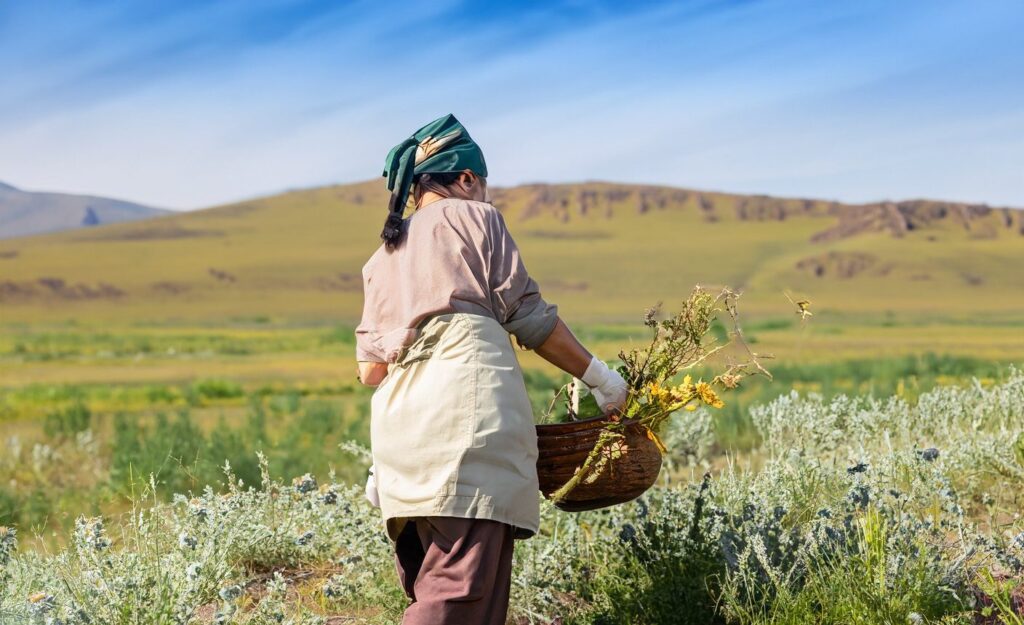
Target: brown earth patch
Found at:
x=986, y=612
x=842, y=265
x=7, y=254
x=170, y=288
x=578, y=235
x=340, y=282
x=972, y=279
x=57, y=288
x=15, y=290
x=150, y=233
x=563, y=285
x=221, y=276
x=235, y=210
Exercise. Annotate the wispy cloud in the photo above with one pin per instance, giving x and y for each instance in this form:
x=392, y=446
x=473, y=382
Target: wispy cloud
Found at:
x=187, y=104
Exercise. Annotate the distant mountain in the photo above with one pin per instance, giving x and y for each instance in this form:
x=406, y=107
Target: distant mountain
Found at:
x=27, y=212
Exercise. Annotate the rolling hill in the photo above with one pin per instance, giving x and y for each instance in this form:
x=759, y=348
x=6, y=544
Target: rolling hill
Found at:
x=25, y=213
x=602, y=251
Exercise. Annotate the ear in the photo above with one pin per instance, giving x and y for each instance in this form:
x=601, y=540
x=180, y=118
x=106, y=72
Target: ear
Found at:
x=467, y=179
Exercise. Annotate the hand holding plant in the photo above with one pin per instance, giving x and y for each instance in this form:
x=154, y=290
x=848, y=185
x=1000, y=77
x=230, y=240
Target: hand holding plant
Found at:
x=679, y=344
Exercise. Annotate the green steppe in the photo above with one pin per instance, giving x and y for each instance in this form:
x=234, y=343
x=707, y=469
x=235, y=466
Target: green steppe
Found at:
x=236, y=322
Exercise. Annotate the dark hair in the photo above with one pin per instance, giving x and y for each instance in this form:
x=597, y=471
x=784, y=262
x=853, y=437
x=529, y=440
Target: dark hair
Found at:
x=444, y=178
x=393, y=227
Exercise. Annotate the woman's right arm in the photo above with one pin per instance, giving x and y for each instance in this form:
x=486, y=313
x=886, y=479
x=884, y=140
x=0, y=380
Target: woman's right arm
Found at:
x=563, y=350
x=536, y=324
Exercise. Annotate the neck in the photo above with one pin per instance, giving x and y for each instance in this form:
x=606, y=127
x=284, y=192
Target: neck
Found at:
x=429, y=197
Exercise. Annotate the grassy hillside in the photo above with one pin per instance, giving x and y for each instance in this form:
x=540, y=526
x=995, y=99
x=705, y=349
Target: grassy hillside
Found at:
x=914, y=276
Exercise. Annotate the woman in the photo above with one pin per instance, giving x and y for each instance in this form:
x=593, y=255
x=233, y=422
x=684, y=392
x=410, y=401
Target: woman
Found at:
x=454, y=446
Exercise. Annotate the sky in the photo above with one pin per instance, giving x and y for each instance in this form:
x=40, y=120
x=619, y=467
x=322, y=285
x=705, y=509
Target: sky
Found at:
x=187, y=104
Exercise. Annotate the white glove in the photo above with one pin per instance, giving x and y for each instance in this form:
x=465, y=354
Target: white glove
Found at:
x=371, y=489
x=608, y=387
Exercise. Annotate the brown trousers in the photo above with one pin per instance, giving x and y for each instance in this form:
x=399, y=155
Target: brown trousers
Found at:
x=456, y=571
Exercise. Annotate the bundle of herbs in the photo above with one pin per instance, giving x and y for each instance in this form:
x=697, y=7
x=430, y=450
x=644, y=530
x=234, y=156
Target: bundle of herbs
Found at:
x=660, y=379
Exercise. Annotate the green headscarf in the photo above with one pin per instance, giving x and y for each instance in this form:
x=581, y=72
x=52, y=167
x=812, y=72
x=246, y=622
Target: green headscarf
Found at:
x=442, y=146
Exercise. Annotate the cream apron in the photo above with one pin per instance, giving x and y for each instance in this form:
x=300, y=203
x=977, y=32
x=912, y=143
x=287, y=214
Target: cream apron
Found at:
x=452, y=428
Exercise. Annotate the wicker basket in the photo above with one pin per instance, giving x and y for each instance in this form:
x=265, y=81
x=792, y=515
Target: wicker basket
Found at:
x=565, y=446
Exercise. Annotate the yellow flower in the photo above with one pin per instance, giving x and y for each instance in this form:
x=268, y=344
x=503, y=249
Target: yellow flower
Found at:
x=708, y=395
x=684, y=392
x=659, y=393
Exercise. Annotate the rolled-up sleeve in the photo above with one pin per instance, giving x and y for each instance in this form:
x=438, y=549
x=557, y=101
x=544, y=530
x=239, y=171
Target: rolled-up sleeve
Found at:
x=366, y=346
x=365, y=349
x=515, y=296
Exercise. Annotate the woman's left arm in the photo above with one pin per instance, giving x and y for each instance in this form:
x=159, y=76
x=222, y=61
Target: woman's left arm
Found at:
x=371, y=373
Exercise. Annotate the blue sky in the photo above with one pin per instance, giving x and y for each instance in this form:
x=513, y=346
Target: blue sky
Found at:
x=188, y=104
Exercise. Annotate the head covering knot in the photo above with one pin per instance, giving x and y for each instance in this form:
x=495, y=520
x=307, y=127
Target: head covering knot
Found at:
x=443, y=145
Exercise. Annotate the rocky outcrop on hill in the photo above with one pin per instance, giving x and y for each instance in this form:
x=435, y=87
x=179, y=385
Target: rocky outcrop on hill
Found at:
x=590, y=200
x=899, y=218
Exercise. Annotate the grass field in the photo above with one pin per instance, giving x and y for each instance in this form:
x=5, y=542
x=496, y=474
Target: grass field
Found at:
x=177, y=401
x=858, y=510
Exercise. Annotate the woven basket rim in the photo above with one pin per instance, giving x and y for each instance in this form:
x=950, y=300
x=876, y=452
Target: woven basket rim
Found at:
x=602, y=420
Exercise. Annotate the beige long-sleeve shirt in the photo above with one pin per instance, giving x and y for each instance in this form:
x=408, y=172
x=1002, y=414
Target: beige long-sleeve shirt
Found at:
x=456, y=256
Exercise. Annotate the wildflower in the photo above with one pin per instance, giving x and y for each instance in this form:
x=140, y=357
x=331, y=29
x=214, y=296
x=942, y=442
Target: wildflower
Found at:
x=684, y=392
x=305, y=538
x=192, y=571
x=1017, y=542
x=185, y=541
x=730, y=380
x=90, y=534
x=330, y=591
x=305, y=484
x=41, y=603
x=860, y=467
x=651, y=316
x=336, y=587
x=223, y=616
x=197, y=509
x=708, y=395
x=915, y=619
x=642, y=509
x=328, y=495
x=230, y=592
x=858, y=496
x=659, y=393
x=8, y=543
x=929, y=454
